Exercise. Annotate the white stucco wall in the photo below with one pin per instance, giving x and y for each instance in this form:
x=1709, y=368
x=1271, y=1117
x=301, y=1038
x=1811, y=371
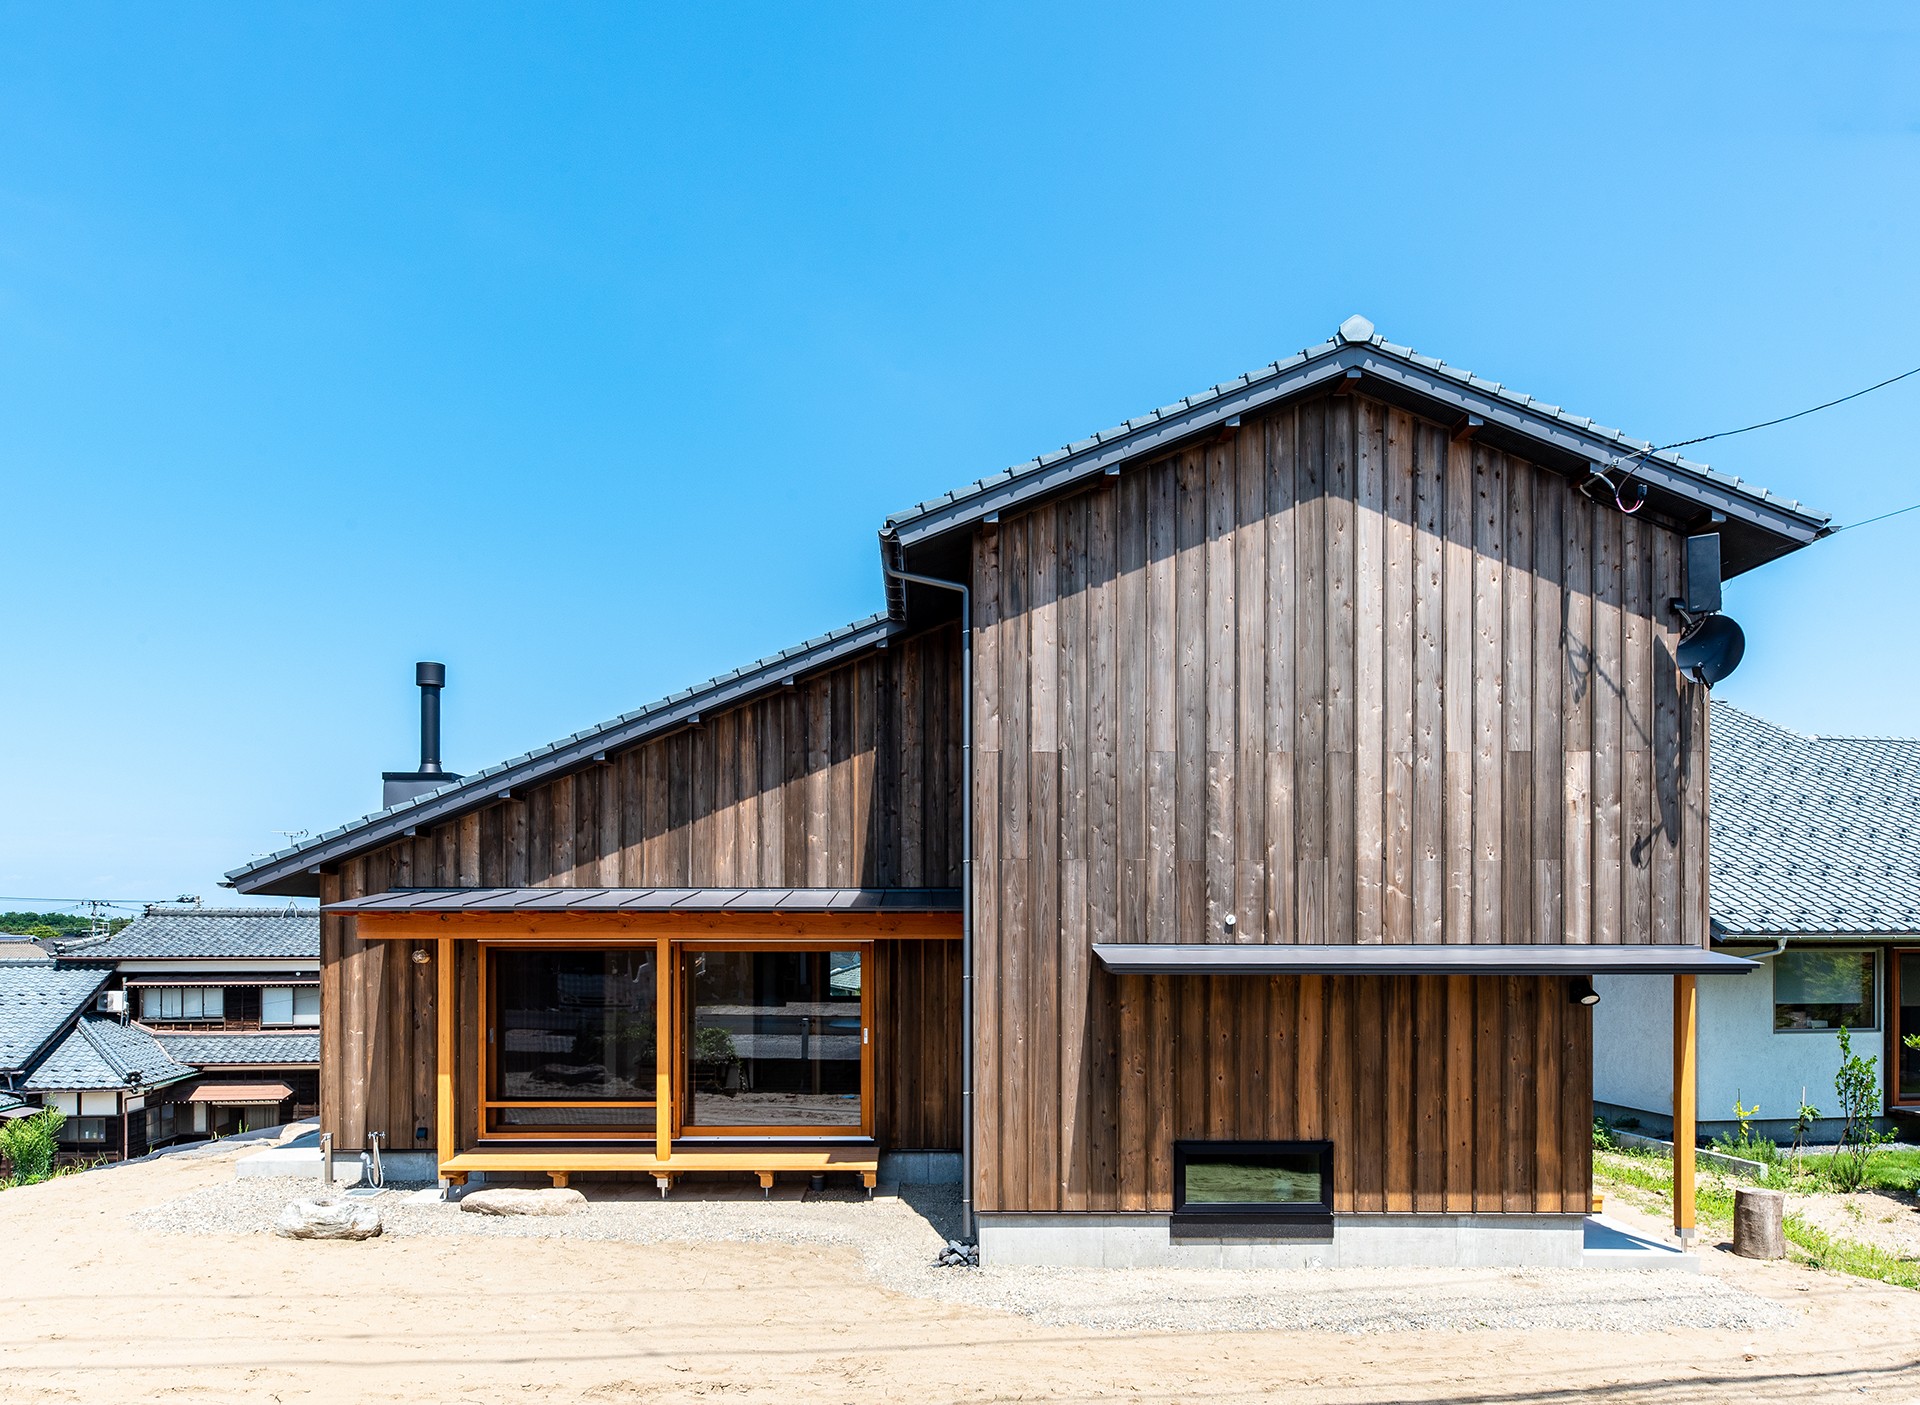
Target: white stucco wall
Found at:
x=1741, y=1055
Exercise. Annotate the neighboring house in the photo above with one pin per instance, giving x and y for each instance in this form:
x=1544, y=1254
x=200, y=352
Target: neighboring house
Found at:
x=1816, y=875
x=233, y=992
x=18, y=948
x=58, y=1050
x=1228, y=864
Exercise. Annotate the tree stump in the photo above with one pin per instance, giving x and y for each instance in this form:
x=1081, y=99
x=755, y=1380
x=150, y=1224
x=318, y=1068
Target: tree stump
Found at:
x=1758, y=1223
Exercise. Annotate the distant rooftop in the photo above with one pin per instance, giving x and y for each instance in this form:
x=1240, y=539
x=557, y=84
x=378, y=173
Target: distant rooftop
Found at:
x=1812, y=835
x=205, y=933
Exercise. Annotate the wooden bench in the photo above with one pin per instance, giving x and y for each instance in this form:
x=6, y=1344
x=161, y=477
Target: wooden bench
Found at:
x=765, y=1162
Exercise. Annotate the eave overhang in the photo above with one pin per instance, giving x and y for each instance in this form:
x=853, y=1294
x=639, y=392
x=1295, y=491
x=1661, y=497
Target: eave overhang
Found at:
x=1219, y=959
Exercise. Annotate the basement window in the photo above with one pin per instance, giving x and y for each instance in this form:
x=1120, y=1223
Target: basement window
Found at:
x=1253, y=1190
x=1815, y=989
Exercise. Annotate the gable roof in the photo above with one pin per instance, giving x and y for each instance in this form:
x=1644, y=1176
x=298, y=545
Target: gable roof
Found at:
x=293, y=869
x=100, y=1052
x=206, y=933
x=14, y=948
x=1758, y=527
x=37, y=1000
x=1812, y=835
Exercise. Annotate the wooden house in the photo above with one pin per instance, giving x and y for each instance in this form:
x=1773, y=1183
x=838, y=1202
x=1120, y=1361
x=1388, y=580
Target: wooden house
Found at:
x=1212, y=843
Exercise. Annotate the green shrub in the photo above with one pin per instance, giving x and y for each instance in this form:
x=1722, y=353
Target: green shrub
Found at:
x=28, y=1143
x=1857, y=1085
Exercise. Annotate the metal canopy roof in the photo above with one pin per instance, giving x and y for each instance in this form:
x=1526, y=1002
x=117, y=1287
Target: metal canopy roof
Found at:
x=1206, y=959
x=690, y=900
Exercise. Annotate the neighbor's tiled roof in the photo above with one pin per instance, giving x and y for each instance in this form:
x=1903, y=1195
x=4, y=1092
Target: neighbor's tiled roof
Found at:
x=1812, y=835
x=37, y=998
x=216, y=1050
x=21, y=949
x=196, y=933
x=99, y=1052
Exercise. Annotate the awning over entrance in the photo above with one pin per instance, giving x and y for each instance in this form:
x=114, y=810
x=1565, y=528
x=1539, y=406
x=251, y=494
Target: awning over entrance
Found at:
x=608, y=900
x=1208, y=959
x=240, y=1094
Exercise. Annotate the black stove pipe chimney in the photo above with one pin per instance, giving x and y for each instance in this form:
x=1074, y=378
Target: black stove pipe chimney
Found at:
x=401, y=786
x=431, y=677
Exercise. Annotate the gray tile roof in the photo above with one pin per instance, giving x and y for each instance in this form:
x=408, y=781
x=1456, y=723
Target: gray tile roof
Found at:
x=21, y=949
x=206, y=933
x=1812, y=835
x=1356, y=347
x=271, y=871
x=217, y=1050
x=37, y=999
x=100, y=1052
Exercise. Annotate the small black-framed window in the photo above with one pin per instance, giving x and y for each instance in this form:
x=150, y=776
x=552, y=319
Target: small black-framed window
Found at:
x=1281, y=1190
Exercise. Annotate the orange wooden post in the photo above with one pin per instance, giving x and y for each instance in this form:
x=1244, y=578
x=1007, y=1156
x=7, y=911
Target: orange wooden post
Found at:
x=663, y=1049
x=1686, y=1070
x=443, y=1050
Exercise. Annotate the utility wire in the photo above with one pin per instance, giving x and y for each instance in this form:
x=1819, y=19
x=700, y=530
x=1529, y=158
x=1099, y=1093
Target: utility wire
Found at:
x=1627, y=466
x=1849, y=526
x=1797, y=414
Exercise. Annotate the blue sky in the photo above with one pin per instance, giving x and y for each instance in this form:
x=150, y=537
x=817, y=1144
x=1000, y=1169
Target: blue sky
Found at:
x=585, y=347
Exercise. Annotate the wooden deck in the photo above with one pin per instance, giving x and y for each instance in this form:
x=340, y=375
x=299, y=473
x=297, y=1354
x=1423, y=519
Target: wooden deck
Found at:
x=560, y=1162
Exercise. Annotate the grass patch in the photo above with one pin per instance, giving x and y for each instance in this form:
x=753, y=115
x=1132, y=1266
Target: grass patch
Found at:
x=1644, y=1177
x=1823, y=1250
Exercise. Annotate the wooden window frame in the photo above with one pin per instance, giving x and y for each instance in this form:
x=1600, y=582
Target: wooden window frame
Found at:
x=1894, y=1031
x=696, y=1132
x=486, y=1103
x=670, y=1128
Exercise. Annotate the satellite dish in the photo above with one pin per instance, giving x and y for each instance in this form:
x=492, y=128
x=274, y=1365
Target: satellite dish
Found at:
x=1711, y=649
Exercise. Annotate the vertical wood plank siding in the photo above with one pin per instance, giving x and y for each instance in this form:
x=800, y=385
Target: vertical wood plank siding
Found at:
x=1354, y=682
x=848, y=778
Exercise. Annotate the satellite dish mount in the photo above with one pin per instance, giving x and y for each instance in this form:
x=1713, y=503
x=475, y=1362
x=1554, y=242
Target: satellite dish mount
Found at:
x=1711, y=644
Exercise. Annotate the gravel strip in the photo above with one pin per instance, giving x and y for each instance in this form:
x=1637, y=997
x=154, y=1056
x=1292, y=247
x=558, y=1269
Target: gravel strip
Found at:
x=898, y=1239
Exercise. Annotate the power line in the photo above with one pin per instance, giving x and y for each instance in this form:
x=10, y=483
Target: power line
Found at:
x=84, y=902
x=1797, y=414
x=1627, y=465
x=1868, y=522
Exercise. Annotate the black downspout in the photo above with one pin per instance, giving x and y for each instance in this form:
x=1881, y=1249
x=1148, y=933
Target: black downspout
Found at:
x=895, y=572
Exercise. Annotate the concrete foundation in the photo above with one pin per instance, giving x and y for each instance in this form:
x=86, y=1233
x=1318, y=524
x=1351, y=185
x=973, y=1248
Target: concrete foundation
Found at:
x=920, y=1168
x=1358, y=1241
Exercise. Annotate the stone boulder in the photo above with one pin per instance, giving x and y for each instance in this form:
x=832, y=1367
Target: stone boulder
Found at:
x=327, y=1219
x=512, y=1200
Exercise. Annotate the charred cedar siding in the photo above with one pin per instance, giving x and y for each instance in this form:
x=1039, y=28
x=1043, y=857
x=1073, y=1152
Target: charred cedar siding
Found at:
x=1349, y=681
x=848, y=778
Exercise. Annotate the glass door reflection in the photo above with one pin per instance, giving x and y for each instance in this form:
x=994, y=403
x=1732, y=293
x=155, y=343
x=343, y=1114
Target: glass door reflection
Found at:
x=774, y=1042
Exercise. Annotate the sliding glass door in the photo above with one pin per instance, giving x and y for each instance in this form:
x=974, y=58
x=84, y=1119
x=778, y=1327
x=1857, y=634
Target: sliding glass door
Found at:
x=765, y=1041
x=1906, y=1024
x=774, y=1042
x=571, y=1036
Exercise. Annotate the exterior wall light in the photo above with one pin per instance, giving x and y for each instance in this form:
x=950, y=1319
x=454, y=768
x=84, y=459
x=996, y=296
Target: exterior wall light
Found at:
x=419, y=956
x=1580, y=991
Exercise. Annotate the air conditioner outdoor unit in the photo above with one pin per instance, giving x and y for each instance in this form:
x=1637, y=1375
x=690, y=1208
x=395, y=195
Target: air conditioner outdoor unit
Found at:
x=112, y=1002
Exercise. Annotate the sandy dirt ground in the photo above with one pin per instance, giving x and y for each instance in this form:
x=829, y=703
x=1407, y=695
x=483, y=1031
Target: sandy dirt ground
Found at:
x=100, y=1311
